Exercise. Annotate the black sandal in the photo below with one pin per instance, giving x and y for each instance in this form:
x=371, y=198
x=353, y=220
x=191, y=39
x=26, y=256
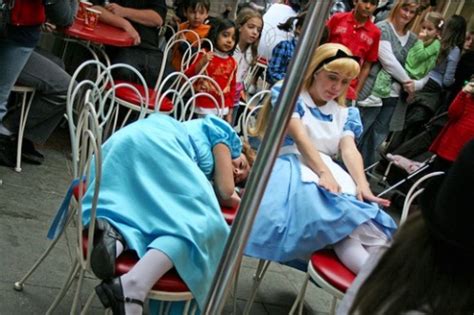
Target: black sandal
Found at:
x=110, y=293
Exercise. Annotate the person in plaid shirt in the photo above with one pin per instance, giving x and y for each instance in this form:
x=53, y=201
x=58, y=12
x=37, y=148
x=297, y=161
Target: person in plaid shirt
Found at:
x=284, y=50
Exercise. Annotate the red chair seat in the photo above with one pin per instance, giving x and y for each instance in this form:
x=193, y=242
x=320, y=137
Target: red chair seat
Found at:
x=229, y=214
x=129, y=95
x=170, y=282
x=262, y=60
x=331, y=269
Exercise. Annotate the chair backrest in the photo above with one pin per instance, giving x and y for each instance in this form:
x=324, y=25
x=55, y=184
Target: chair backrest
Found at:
x=252, y=107
x=100, y=92
x=88, y=144
x=414, y=192
x=177, y=39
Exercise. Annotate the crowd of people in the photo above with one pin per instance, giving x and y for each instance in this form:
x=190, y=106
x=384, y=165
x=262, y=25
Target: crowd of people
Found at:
x=372, y=84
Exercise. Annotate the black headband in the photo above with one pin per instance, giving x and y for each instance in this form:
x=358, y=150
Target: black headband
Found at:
x=339, y=54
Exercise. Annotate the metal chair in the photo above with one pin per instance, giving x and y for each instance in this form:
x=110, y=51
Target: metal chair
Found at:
x=86, y=93
x=328, y=272
x=25, y=108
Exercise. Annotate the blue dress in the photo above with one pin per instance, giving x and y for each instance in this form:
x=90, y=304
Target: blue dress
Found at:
x=155, y=191
x=297, y=217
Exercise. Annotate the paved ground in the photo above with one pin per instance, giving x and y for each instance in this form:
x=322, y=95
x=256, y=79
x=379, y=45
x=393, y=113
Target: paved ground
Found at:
x=30, y=198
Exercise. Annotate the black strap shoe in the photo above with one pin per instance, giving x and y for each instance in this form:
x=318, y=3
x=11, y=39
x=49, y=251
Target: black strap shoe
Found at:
x=110, y=293
x=7, y=151
x=29, y=154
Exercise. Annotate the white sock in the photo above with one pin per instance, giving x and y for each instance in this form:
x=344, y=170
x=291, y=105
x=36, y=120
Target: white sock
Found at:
x=118, y=248
x=140, y=279
x=352, y=253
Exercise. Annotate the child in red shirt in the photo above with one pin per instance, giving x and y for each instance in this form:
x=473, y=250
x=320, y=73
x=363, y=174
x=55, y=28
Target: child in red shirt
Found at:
x=220, y=66
x=356, y=31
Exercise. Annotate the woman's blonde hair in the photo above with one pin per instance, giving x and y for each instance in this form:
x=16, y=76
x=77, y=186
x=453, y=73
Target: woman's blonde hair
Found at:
x=403, y=4
x=243, y=17
x=345, y=66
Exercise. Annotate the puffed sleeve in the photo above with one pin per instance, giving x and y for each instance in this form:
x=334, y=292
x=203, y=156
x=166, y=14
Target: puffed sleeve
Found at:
x=219, y=131
x=275, y=92
x=353, y=126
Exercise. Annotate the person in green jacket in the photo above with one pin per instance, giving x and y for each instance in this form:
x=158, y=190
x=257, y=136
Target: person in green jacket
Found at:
x=420, y=61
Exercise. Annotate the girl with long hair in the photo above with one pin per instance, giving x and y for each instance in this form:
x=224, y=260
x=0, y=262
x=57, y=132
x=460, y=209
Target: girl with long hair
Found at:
x=220, y=66
x=310, y=201
x=249, y=23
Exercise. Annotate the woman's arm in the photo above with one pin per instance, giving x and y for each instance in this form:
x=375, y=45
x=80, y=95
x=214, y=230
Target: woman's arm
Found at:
x=354, y=164
x=390, y=63
x=145, y=17
x=452, y=63
x=108, y=17
x=311, y=155
x=223, y=172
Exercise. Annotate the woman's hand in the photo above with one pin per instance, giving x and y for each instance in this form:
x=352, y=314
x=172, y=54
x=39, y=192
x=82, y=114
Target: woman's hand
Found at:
x=116, y=9
x=328, y=182
x=364, y=193
x=409, y=86
x=133, y=33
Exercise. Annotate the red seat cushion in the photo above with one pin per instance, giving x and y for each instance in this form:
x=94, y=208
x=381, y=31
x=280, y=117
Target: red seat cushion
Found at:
x=169, y=282
x=229, y=214
x=129, y=95
x=75, y=190
x=331, y=269
x=262, y=60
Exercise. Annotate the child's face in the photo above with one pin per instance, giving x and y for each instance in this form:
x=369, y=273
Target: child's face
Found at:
x=469, y=42
x=365, y=8
x=428, y=31
x=250, y=31
x=226, y=40
x=196, y=16
x=241, y=168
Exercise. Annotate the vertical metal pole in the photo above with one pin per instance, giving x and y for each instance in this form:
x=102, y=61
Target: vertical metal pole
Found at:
x=312, y=31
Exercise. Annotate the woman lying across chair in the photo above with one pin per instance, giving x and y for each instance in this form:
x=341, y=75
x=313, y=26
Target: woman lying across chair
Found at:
x=156, y=199
x=311, y=202
x=428, y=267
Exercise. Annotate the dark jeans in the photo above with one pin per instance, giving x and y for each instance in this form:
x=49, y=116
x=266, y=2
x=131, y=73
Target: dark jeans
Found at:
x=46, y=74
x=376, y=121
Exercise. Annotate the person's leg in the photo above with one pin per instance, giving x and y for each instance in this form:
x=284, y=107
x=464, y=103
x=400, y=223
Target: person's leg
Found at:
x=378, y=132
x=51, y=82
x=13, y=58
x=140, y=279
x=352, y=253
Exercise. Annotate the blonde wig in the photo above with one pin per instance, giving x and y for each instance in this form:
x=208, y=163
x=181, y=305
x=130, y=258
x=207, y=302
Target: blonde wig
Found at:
x=344, y=66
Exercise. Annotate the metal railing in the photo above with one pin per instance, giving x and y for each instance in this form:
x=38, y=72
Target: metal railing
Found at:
x=312, y=31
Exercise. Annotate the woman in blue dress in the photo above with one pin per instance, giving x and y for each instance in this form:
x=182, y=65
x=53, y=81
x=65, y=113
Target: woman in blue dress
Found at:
x=156, y=198
x=310, y=201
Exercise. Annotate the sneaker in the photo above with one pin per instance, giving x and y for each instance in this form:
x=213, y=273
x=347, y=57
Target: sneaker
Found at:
x=7, y=151
x=371, y=101
x=29, y=154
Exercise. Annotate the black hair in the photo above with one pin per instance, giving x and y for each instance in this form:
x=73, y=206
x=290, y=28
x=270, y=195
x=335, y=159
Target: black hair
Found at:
x=195, y=4
x=454, y=34
x=287, y=26
x=417, y=273
x=218, y=26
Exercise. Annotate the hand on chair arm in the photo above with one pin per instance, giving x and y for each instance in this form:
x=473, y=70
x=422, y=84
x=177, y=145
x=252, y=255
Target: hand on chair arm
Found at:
x=311, y=155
